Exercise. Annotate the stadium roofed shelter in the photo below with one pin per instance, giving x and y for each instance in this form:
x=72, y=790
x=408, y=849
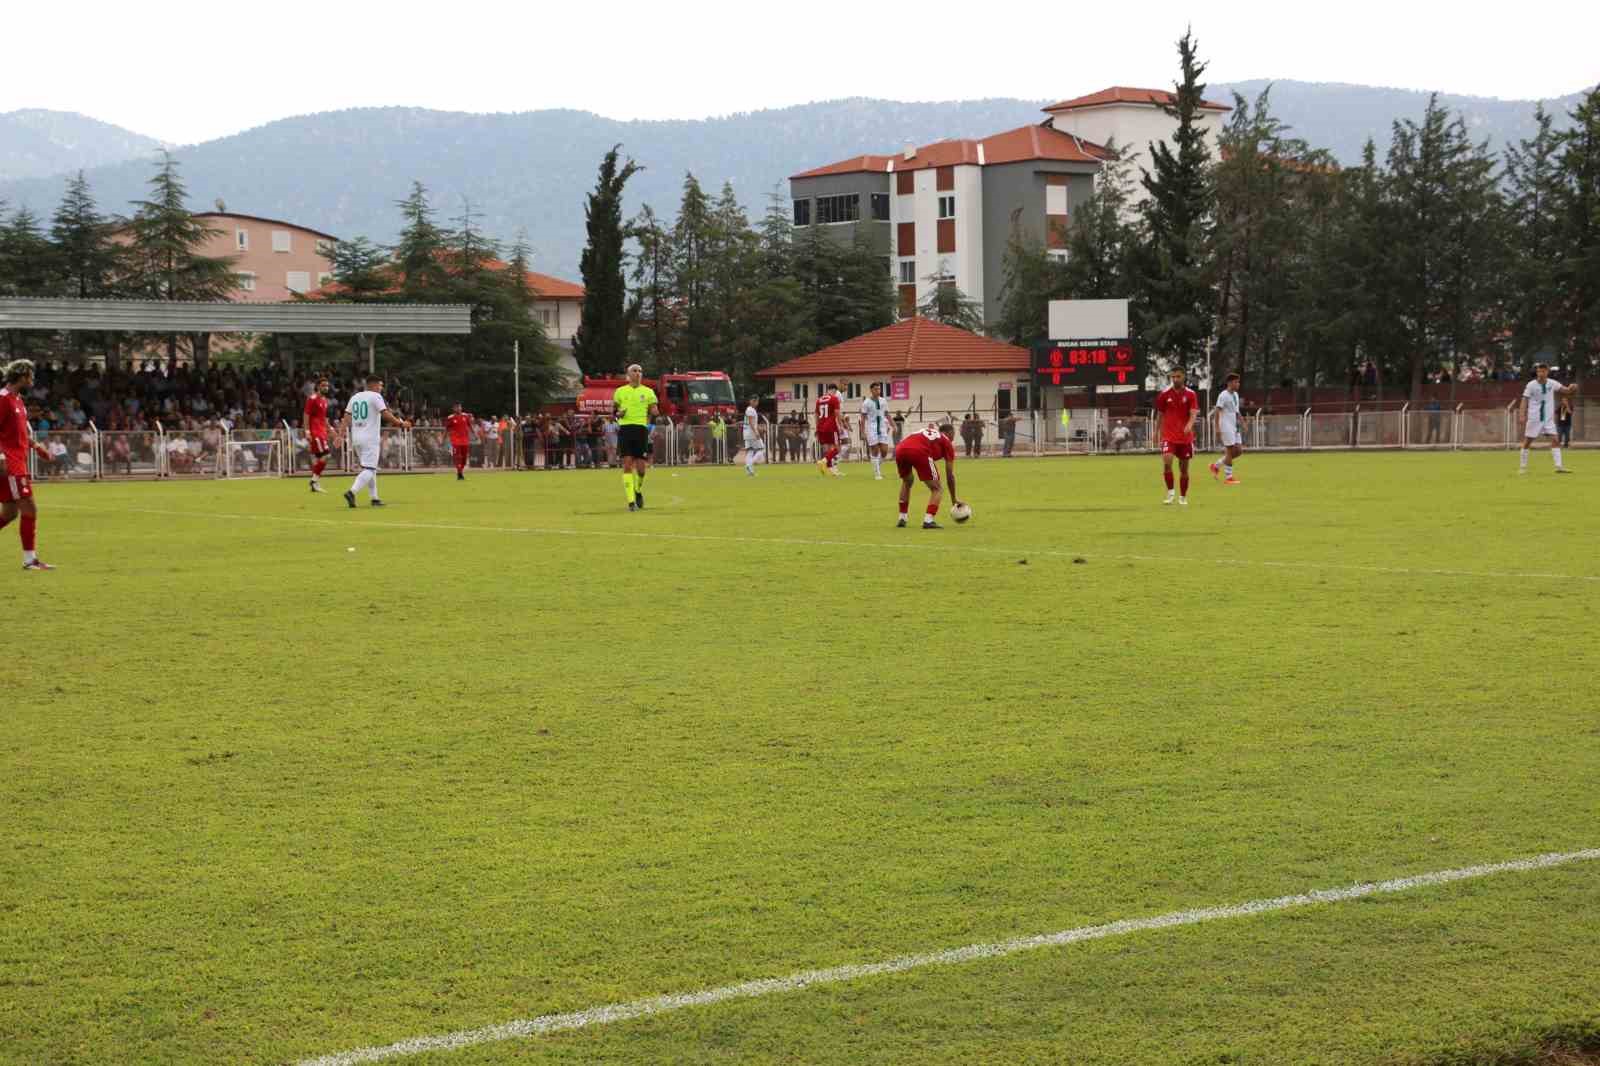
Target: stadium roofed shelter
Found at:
x=178, y=316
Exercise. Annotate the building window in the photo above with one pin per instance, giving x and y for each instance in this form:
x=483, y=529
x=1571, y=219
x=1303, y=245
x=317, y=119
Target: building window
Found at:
x=241, y=239
x=944, y=179
x=1022, y=395
x=297, y=281
x=802, y=212
x=545, y=317
x=1060, y=255
x=846, y=208
x=905, y=182
x=947, y=207
x=945, y=235
x=880, y=207
x=800, y=392
x=908, y=272
x=852, y=390
x=247, y=281
x=280, y=240
x=905, y=238
x=1055, y=199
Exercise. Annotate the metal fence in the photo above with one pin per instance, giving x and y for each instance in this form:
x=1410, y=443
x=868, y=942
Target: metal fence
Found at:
x=91, y=454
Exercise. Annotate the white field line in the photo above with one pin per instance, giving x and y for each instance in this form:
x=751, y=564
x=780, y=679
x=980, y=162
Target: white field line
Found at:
x=920, y=544
x=641, y=1008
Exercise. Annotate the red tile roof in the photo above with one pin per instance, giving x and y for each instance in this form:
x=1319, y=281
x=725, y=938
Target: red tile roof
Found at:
x=914, y=344
x=1122, y=94
x=1012, y=146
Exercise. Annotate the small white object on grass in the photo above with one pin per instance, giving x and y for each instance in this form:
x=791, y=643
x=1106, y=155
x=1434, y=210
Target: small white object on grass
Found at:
x=349, y=549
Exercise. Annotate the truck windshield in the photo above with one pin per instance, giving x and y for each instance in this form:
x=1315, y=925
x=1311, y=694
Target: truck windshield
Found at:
x=710, y=390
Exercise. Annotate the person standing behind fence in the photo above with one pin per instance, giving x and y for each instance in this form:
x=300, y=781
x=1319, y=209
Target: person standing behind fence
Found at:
x=1564, y=422
x=1008, y=433
x=16, y=440
x=755, y=449
x=314, y=420
x=459, y=425
x=635, y=408
x=1539, y=400
x=363, y=421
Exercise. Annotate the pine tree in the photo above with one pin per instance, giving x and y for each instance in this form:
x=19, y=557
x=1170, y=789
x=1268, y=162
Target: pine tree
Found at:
x=1533, y=293
x=946, y=303
x=28, y=267
x=1579, y=209
x=1102, y=237
x=692, y=240
x=601, y=342
x=362, y=269
x=1175, y=309
x=652, y=313
x=89, y=263
x=420, y=251
x=1030, y=279
x=165, y=252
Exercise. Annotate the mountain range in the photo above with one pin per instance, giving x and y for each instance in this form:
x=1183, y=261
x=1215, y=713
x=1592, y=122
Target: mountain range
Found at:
x=342, y=171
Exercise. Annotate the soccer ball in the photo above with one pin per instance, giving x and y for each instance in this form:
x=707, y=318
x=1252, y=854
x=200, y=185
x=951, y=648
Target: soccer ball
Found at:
x=961, y=512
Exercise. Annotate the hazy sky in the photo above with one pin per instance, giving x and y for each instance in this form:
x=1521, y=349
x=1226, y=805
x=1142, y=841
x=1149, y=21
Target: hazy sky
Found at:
x=185, y=71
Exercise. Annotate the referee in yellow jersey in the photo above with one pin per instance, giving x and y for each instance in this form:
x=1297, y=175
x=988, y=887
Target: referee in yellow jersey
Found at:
x=634, y=405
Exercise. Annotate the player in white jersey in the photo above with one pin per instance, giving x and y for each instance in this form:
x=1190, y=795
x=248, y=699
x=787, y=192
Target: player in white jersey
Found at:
x=876, y=429
x=364, y=416
x=755, y=449
x=1539, y=414
x=1225, y=414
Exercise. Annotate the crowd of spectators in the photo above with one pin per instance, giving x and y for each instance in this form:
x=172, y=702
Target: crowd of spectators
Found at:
x=66, y=397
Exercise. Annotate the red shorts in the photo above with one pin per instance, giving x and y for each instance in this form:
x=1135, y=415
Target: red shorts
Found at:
x=827, y=435
x=15, y=488
x=318, y=445
x=920, y=465
x=1176, y=450
x=460, y=452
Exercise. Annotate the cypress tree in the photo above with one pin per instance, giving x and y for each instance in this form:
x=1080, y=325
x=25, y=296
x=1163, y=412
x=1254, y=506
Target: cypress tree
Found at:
x=601, y=343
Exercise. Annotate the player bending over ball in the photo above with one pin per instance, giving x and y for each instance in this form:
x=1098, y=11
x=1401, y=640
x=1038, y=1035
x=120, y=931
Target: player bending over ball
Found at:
x=363, y=421
x=459, y=424
x=755, y=449
x=915, y=456
x=16, y=439
x=1226, y=415
x=1178, y=406
x=634, y=406
x=828, y=428
x=1539, y=414
x=314, y=420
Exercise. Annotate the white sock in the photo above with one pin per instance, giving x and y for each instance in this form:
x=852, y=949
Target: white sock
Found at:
x=1524, y=458
x=904, y=515
x=1555, y=453
x=1227, y=468
x=372, y=483
x=28, y=557
x=877, y=465
x=360, y=483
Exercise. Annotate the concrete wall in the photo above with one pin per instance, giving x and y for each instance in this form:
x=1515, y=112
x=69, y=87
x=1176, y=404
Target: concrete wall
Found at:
x=863, y=184
x=1132, y=126
x=271, y=269
x=1011, y=187
x=935, y=393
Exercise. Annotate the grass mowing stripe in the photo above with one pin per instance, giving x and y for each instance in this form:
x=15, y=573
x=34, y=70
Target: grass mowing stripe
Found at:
x=640, y=1008
x=815, y=543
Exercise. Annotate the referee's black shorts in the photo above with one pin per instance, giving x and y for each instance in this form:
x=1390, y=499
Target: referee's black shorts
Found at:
x=633, y=442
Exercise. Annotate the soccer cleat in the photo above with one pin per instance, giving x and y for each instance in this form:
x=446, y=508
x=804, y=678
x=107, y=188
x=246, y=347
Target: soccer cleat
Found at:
x=822, y=467
x=901, y=524
x=836, y=472
x=316, y=487
x=350, y=498
x=931, y=525
x=1183, y=501
x=631, y=507
x=1562, y=470
x=750, y=471
x=1230, y=480
x=37, y=564
x=1171, y=495
x=1215, y=469
x=460, y=476
x=877, y=477
x=378, y=503
x=638, y=497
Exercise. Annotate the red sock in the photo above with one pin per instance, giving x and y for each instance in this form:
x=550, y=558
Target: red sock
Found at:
x=933, y=508
x=1168, y=475
x=833, y=456
x=318, y=467
x=1183, y=486
x=30, y=522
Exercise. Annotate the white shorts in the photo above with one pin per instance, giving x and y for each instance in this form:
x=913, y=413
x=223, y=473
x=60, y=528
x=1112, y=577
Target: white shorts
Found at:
x=874, y=438
x=755, y=444
x=1536, y=429
x=367, y=455
x=1229, y=435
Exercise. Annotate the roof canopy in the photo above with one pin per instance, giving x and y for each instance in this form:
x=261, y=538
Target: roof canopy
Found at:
x=911, y=345
x=177, y=316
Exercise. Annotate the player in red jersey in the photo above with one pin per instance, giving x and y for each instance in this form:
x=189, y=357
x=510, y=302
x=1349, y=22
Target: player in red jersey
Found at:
x=828, y=431
x=314, y=421
x=1178, y=406
x=16, y=439
x=459, y=423
x=915, y=456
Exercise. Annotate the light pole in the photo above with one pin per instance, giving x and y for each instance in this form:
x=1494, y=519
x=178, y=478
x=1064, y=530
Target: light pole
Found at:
x=516, y=379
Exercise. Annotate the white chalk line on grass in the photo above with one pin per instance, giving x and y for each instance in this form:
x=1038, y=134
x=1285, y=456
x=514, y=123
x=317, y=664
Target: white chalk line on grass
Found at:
x=642, y=1008
x=803, y=542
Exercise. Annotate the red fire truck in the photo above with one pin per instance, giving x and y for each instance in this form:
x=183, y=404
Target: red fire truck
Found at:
x=695, y=394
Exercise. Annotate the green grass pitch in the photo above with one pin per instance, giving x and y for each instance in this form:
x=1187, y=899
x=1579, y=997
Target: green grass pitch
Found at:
x=264, y=798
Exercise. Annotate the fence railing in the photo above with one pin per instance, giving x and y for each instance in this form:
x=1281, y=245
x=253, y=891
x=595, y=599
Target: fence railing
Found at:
x=89, y=453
